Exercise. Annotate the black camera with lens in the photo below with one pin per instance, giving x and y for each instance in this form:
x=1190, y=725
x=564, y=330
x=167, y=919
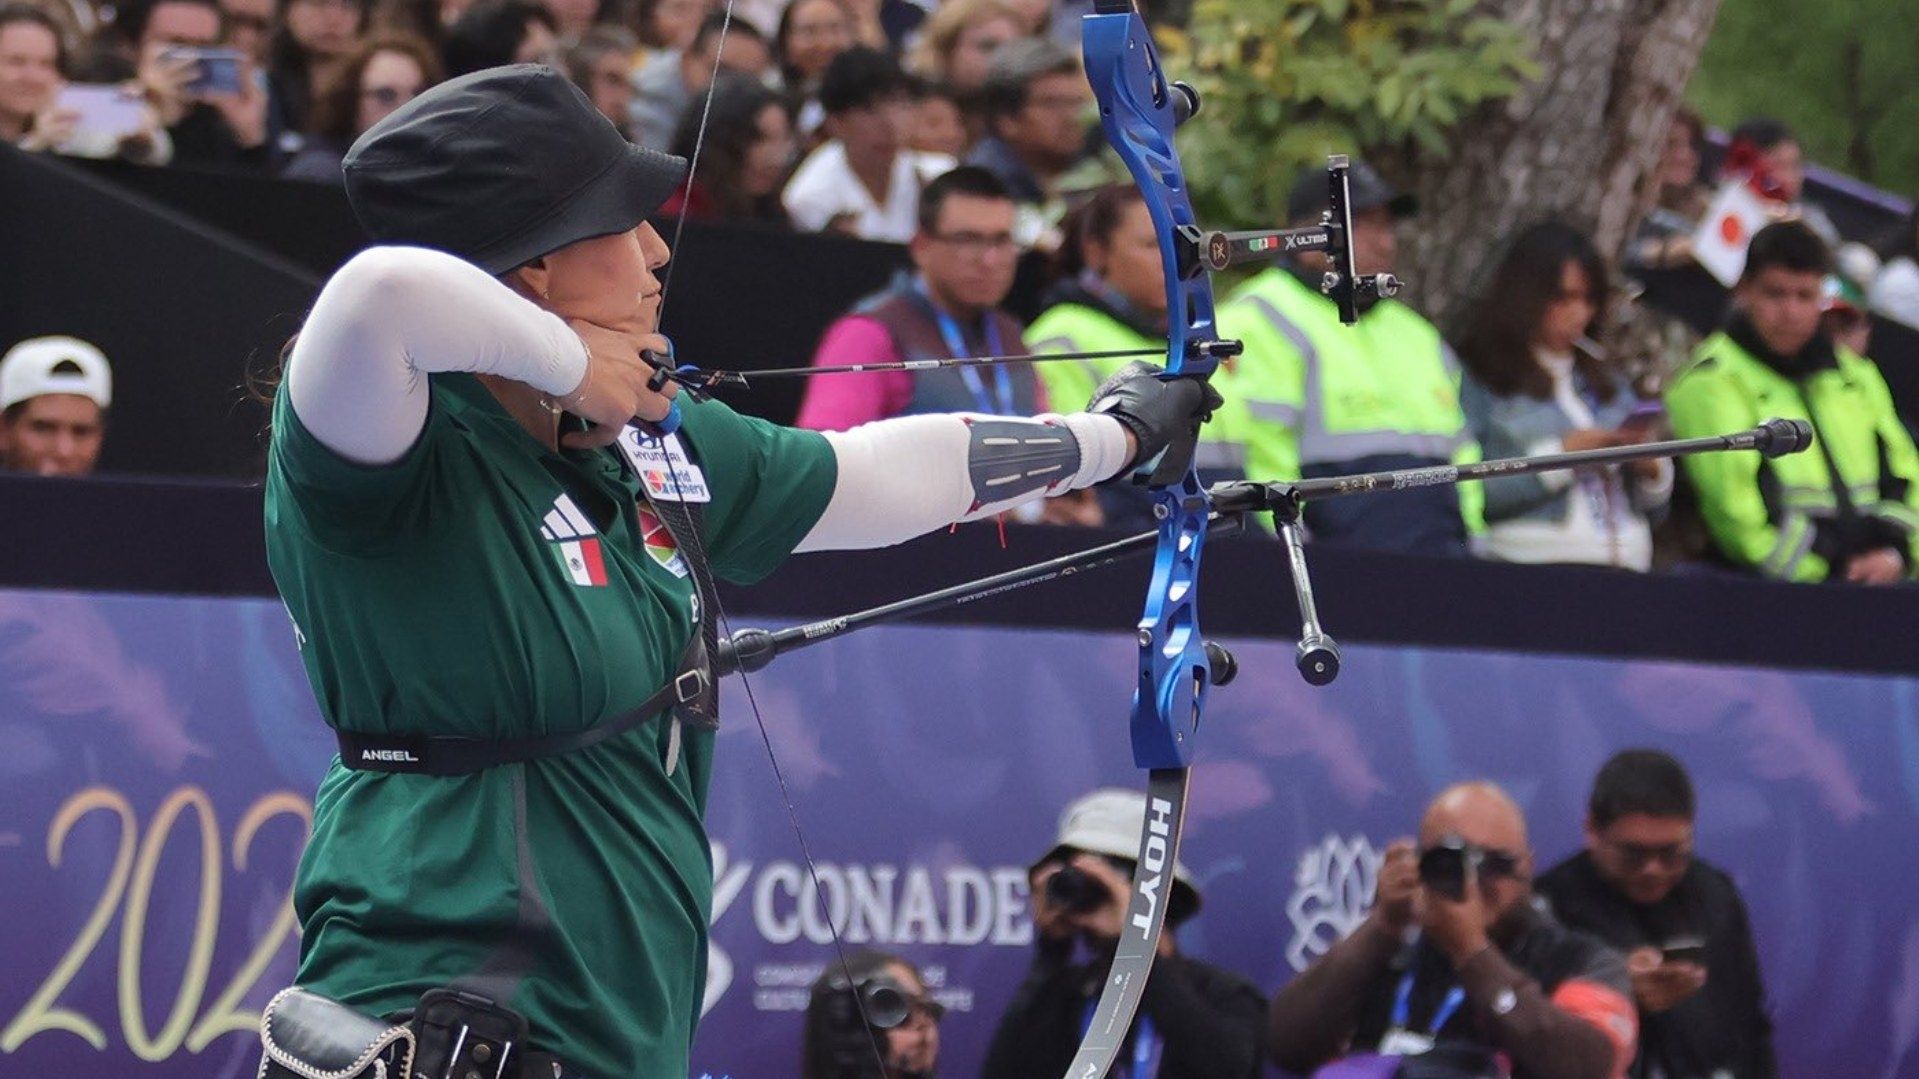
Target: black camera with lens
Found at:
x=880, y=1002
x=1076, y=891
x=857, y=1017
x=1445, y=866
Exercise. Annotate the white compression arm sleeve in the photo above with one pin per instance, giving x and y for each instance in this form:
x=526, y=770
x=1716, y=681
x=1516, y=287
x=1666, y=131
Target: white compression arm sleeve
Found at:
x=903, y=477
x=392, y=314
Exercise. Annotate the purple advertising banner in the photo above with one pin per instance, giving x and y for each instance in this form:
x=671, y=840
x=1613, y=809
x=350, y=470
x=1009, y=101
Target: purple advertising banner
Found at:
x=158, y=757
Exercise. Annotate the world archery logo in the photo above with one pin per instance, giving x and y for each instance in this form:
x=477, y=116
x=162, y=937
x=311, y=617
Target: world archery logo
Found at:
x=575, y=542
x=659, y=542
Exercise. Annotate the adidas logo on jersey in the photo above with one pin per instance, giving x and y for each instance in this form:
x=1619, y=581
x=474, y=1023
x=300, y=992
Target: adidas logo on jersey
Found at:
x=575, y=542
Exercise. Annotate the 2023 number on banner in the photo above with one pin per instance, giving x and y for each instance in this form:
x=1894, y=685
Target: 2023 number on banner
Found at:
x=129, y=892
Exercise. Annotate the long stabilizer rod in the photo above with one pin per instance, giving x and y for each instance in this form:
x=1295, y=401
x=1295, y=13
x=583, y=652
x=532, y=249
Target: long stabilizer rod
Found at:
x=752, y=649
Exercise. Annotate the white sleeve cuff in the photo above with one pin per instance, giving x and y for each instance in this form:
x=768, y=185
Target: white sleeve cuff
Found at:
x=1102, y=446
x=910, y=475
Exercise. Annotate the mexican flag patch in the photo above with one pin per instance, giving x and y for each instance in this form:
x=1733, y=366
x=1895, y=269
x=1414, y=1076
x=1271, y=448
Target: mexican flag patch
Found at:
x=575, y=543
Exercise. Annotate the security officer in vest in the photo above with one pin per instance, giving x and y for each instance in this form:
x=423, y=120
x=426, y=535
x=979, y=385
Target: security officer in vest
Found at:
x=964, y=256
x=1111, y=297
x=1326, y=399
x=496, y=528
x=1846, y=511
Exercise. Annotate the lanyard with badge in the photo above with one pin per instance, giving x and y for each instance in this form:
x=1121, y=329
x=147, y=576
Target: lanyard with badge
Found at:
x=668, y=474
x=1147, y=1045
x=956, y=347
x=1403, y=1041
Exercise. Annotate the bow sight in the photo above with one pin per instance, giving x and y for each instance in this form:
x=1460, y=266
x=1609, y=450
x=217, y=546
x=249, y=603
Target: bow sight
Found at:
x=1215, y=251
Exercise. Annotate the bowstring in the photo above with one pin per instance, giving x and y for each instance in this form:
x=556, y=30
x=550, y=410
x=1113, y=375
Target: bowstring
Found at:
x=719, y=610
x=699, y=144
x=779, y=774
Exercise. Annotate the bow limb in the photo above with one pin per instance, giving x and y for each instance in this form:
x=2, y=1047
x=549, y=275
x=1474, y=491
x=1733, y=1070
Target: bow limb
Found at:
x=1139, y=110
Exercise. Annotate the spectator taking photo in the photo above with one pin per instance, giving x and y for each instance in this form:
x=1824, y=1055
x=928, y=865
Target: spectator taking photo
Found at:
x=1488, y=974
x=1195, y=1019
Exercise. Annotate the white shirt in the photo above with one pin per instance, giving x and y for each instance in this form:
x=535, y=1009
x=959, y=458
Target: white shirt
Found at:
x=1602, y=526
x=825, y=187
x=1895, y=291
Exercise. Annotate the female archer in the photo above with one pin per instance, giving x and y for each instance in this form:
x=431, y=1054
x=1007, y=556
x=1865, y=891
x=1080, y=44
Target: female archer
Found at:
x=495, y=523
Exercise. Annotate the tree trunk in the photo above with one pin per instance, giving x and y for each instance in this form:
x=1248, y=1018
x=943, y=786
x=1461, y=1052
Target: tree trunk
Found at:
x=1582, y=142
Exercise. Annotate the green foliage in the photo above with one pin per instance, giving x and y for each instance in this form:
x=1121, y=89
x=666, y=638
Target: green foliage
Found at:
x=1841, y=74
x=1285, y=82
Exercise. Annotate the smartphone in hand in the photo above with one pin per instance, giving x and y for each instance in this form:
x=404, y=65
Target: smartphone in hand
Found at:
x=1684, y=950
x=216, y=70
x=1644, y=420
x=104, y=115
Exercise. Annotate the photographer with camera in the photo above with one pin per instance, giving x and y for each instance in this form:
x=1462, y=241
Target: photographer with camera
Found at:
x=872, y=1010
x=1457, y=972
x=1195, y=1020
x=1687, y=939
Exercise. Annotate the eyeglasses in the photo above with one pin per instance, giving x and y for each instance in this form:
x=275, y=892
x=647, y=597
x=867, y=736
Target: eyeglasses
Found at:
x=388, y=96
x=1641, y=855
x=974, y=243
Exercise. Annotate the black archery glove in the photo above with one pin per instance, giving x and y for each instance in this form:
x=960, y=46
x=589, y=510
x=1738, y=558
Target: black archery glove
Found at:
x=1161, y=413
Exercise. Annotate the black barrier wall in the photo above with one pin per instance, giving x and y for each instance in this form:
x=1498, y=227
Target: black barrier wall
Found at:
x=179, y=307
x=200, y=537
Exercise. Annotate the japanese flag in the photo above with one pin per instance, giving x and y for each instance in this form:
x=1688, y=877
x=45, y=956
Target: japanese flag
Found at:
x=1720, y=244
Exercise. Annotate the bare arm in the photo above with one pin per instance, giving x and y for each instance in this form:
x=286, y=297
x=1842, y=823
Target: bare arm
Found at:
x=1585, y=1030
x=1312, y=1018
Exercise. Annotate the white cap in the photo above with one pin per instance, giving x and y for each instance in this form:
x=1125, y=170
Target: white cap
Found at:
x=31, y=369
x=1109, y=821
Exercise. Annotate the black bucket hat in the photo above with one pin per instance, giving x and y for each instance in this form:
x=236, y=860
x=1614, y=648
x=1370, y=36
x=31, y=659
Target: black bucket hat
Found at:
x=1369, y=189
x=501, y=167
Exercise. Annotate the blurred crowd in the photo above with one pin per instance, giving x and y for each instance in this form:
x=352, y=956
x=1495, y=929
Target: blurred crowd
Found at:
x=1631, y=957
x=822, y=114
x=965, y=130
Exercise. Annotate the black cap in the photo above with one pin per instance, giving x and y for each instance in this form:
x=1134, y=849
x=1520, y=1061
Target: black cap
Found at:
x=502, y=166
x=1369, y=190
